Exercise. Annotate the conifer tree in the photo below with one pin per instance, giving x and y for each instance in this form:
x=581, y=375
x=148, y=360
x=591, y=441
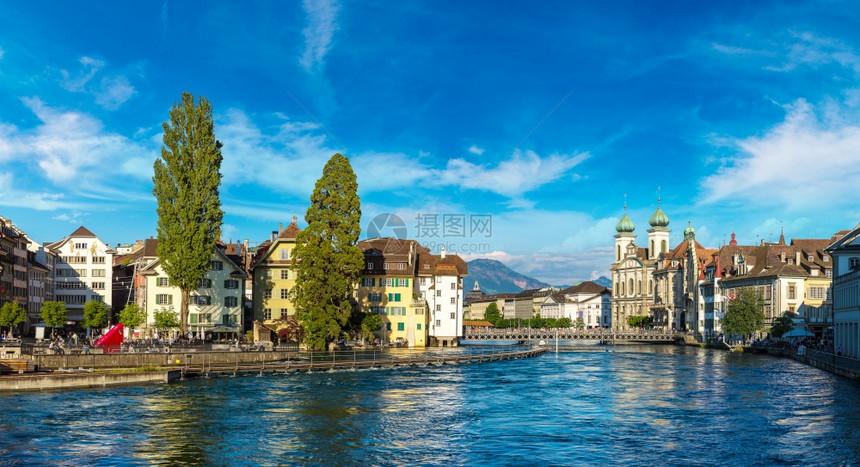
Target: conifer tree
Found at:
x=186, y=181
x=327, y=258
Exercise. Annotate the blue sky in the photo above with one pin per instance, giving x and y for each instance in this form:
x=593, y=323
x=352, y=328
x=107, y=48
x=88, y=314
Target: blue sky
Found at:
x=542, y=115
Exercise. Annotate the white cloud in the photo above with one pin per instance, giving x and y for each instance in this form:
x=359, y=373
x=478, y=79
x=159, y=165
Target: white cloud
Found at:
x=297, y=151
x=114, y=91
x=322, y=24
x=476, y=150
x=1, y=53
x=111, y=91
x=12, y=196
x=73, y=218
x=799, y=164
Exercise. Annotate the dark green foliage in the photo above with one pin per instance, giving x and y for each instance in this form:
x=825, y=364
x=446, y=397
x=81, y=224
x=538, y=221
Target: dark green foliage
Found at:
x=639, y=321
x=328, y=262
x=371, y=323
x=132, y=315
x=95, y=314
x=782, y=325
x=165, y=318
x=11, y=315
x=54, y=314
x=186, y=181
x=744, y=314
x=492, y=314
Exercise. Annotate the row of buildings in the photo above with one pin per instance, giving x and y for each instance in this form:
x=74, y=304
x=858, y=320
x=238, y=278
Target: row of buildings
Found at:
x=587, y=301
x=418, y=294
x=687, y=287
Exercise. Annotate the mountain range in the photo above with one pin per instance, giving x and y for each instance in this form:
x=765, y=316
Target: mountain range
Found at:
x=495, y=277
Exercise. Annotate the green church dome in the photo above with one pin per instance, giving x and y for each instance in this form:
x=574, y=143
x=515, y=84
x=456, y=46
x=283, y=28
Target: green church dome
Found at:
x=689, y=230
x=659, y=219
x=625, y=225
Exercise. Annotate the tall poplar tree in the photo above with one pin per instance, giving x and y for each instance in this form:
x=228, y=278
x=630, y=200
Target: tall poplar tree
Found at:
x=187, y=177
x=327, y=259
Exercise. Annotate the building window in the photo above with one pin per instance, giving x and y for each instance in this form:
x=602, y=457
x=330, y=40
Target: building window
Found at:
x=217, y=265
x=285, y=294
x=438, y=293
x=200, y=300
x=98, y=273
x=828, y=273
x=227, y=319
x=231, y=302
x=374, y=297
x=161, y=281
x=98, y=260
x=792, y=292
x=267, y=314
x=98, y=285
x=205, y=283
x=285, y=253
x=369, y=265
x=394, y=297
x=285, y=312
x=267, y=294
x=231, y=284
x=453, y=286
x=401, y=266
x=368, y=281
x=438, y=307
x=388, y=326
x=423, y=281
x=285, y=273
x=419, y=327
x=854, y=263
x=453, y=315
x=384, y=265
x=80, y=246
x=453, y=300
x=163, y=299
x=438, y=322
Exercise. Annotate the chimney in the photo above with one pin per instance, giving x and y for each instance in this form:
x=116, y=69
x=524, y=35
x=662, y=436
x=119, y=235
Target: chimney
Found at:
x=280, y=227
x=274, y=236
x=782, y=256
x=442, y=253
x=797, y=258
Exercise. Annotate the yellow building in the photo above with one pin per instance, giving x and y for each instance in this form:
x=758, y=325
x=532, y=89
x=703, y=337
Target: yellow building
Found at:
x=387, y=287
x=274, y=278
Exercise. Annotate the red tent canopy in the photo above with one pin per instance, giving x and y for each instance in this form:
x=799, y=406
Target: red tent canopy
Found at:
x=112, y=339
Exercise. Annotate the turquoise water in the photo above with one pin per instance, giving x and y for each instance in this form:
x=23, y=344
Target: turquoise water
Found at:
x=650, y=405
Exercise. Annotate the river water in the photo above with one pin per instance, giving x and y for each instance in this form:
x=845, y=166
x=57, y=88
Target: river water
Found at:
x=634, y=405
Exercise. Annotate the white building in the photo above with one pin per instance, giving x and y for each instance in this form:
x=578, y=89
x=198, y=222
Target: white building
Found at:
x=589, y=301
x=215, y=308
x=846, y=293
x=83, y=271
x=440, y=279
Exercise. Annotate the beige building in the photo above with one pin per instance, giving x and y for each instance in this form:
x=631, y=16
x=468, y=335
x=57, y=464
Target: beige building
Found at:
x=83, y=271
x=274, y=278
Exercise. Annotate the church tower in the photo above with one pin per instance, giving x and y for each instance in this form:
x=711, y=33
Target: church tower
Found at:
x=625, y=235
x=658, y=234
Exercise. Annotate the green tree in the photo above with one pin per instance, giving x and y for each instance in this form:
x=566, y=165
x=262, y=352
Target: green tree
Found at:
x=744, y=314
x=328, y=262
x=639, y=321
x=165, y=318
x=11, y=315
x=782, y=325
x=54, y=314
x=492, y=314
x=186, y=181
x=95, y=315
x=371, y=323
x=132, y=316
x=579, y=324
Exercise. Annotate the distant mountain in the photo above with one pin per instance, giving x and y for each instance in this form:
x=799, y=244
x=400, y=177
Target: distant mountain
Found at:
x=494, y=277
x=604, y=281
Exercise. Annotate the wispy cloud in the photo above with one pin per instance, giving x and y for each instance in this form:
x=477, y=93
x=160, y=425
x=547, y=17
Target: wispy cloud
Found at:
x=297, y=151
x=110, y=92
x=74, y=152
x=1, y=53
x=801, y=163
x=476, y=150
x=322, y=24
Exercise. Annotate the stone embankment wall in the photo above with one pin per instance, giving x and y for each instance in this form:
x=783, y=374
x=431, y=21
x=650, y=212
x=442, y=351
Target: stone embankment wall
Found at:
x=842, y=366
x=59, y=381
x=173, y=359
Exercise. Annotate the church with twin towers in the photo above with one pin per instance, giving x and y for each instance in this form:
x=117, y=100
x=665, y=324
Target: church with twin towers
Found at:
x=655, y=280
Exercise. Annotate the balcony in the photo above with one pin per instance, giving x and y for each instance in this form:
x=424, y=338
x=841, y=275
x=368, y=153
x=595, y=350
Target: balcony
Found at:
x=419, y=303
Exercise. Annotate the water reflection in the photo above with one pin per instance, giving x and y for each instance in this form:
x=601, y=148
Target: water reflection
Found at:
x=635, y=405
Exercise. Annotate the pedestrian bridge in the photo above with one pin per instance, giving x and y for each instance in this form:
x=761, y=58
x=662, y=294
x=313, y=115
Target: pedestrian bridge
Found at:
x=601, y=335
